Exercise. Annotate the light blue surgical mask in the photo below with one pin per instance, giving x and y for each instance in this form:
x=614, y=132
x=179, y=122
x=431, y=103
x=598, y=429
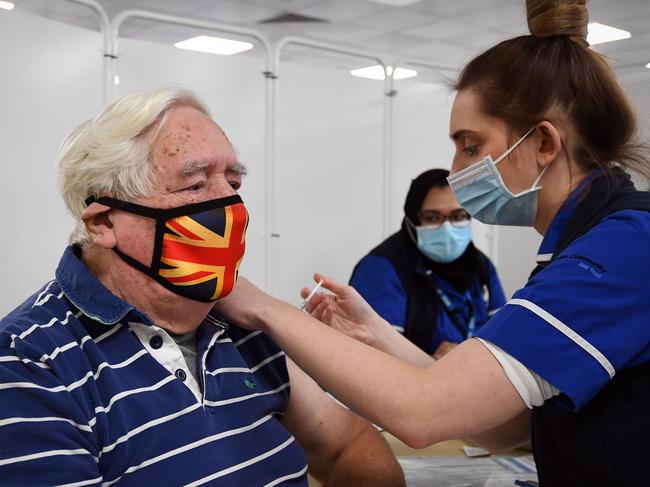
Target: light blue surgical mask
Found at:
x=481, y=191
x=443, y=244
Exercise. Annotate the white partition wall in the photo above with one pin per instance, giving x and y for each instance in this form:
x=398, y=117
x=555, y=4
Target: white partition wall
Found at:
x=329, y=159
x=51, y=81
x=329, y=179
x=328, y=174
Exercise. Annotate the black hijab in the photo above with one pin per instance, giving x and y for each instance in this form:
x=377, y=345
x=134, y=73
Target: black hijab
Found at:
x=461, y=272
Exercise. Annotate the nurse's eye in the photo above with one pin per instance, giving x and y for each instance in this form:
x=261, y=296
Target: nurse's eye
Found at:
x=471, y=151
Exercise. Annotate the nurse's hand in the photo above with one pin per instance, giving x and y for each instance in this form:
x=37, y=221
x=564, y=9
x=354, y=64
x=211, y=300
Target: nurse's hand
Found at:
x=345, y=311
x=243, y=305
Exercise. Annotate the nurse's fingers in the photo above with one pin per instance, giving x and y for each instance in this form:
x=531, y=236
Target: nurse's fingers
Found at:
x=314, y=301
x=330, y=284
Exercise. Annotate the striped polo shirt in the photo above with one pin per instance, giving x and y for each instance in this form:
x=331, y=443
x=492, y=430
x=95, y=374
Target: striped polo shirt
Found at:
x=93, y=393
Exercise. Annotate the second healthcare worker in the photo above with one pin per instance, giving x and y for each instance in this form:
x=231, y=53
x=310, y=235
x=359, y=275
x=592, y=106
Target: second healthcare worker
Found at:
x=428, y=279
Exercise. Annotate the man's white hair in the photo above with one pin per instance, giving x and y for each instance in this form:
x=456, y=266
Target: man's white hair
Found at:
x=109, y=155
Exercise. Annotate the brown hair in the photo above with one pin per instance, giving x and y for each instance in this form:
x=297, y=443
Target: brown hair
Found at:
x=553, y=75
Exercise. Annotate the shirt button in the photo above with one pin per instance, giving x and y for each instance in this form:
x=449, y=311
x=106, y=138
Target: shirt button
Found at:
x=180, y=373
x=156, y=341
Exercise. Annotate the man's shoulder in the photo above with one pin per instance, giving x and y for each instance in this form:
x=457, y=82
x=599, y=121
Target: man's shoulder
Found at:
x=42, y=320
x=251, y=341
x=255, y=347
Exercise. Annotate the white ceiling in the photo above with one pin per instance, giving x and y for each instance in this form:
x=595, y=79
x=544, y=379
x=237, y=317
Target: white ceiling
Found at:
x=447, y=32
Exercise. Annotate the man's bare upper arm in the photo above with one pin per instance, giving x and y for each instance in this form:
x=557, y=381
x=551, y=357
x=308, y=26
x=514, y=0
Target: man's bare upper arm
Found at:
x=320, y=425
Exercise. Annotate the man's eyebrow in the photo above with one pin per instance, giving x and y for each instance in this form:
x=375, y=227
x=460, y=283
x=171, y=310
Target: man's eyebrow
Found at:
x=193, y=167
x=239, y=168
x=462, y=133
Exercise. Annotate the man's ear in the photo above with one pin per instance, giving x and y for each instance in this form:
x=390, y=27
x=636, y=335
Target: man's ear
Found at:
x=549, y=143
x=97, y=218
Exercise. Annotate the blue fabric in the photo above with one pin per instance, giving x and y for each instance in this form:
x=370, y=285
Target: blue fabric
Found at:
x=596, y=287
x=377, y=281
x=83, y=397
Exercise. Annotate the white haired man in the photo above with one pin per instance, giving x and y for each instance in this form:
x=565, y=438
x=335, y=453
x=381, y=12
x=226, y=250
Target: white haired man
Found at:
x=119, y=371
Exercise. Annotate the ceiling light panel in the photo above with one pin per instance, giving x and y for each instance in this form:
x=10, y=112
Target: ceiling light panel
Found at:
x=377, y=72
x=601, y=33
x=214, y=45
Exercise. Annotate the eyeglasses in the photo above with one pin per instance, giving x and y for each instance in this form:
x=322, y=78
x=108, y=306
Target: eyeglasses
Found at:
x=435, y=219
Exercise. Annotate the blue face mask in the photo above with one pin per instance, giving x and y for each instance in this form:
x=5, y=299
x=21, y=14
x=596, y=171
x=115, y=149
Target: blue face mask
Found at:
x=481, y=191
x=444, y=244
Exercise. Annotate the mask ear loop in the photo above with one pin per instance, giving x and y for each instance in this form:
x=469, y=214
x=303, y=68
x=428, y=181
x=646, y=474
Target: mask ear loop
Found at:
x=409, y=228
x=161, y=223
x=514, y=146
x=539, y=178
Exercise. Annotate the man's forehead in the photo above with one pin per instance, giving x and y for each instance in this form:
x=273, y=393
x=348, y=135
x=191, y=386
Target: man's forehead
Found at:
x=189, y=139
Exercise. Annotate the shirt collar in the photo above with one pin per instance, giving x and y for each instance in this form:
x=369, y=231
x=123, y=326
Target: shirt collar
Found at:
x=87, y=292
x=560, y=221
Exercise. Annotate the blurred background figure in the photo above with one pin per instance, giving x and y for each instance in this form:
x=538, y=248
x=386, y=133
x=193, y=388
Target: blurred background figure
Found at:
x=429, y=280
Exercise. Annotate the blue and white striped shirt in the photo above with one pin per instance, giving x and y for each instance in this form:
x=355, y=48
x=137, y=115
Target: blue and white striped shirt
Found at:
x=93, y=393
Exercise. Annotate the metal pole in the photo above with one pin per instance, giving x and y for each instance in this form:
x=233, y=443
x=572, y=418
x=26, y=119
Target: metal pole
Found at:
x=389, y=96
x=172, y=19
x=104, y=27
x=389, y=127
x=387, y=107
x=270, y=233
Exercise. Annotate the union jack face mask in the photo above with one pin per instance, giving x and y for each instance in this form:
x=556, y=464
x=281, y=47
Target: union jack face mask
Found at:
x=198, y=248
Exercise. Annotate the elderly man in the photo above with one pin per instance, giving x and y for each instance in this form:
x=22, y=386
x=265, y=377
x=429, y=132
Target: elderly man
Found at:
x=119, y=372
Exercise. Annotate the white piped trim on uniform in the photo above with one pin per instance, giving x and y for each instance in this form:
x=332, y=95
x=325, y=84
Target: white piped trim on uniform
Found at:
x=568, y=332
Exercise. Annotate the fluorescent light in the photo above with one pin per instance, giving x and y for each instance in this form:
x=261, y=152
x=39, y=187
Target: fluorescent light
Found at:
x=214, y=45
x=601, y=33
x=7, y=5
x=377, y=72
x=647, y=65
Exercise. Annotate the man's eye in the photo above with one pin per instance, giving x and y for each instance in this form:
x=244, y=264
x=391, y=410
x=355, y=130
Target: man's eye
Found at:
x=235, y=185
x=196, y=187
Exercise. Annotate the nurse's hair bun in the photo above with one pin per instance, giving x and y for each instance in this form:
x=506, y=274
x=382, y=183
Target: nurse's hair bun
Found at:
x=548, y=18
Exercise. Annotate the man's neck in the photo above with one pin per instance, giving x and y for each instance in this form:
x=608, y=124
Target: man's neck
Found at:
x=167, y=310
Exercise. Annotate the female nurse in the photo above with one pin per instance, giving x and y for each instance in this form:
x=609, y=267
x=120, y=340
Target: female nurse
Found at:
x=544, y=135
x=428, y=279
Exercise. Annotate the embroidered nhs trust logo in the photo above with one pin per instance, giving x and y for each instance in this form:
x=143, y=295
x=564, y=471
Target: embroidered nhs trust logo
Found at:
x=591, y=266
x=594, y=268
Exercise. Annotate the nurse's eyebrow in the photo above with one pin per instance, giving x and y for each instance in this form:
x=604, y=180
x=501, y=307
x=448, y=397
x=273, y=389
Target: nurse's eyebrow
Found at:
x=462, y=133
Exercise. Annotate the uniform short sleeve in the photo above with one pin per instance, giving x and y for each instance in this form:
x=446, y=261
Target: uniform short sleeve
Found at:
x=377, y=281
x=585, y=316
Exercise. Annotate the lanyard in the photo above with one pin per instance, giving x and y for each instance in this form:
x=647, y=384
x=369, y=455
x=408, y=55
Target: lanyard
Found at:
x=465, y=327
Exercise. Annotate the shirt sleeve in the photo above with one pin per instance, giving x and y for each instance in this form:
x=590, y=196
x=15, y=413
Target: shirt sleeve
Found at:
x=45, y=438
x=497, y=296
x=532, y=388
x=377, y=281
x=584, y=316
